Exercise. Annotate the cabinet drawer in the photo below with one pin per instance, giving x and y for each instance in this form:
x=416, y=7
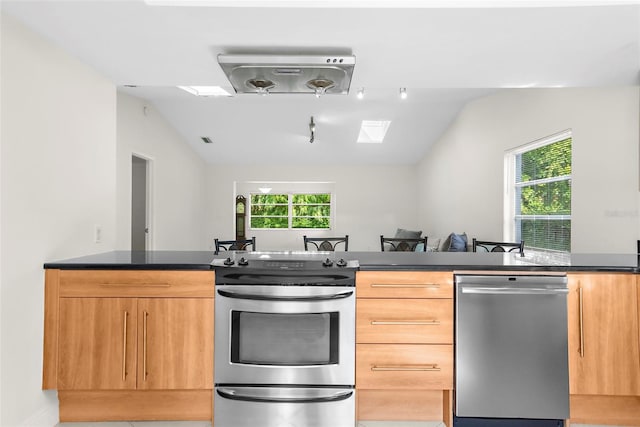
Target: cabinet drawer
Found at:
x=404, y=284
x=136, y=283
x=420, y=321
x=404, y=366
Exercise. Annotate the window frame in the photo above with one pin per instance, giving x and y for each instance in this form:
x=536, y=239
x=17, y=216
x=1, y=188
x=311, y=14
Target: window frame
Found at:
x=290, y=211
x=511, y=214
x=292, y=215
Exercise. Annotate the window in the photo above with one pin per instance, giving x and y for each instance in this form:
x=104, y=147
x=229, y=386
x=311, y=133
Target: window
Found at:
x=539, y=194
x=286, y=211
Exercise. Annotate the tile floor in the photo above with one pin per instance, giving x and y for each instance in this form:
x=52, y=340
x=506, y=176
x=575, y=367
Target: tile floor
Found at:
x=208, y=424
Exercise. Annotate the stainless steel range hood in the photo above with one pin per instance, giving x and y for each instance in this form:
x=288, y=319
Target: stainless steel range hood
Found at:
x=314, y=74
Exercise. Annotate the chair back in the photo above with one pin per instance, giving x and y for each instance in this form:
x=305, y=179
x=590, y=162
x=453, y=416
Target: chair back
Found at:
x=402, y=244
x=489, y=246
x=325, y=243
x=235, y=245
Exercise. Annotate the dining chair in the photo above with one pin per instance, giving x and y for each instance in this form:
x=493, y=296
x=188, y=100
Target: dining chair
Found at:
x=325, y=243
x=489, y=246
x=400, y=244
x=235, y=245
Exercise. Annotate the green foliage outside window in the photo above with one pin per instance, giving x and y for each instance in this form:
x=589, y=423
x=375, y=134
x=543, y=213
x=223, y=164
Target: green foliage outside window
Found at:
x=543, y=196
x=273, y=211
x=269, y=211
x=549, y=161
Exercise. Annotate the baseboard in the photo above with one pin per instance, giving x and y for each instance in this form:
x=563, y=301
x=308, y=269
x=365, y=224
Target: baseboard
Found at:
x=45, y=417
x=135, y=405
x=605, y=410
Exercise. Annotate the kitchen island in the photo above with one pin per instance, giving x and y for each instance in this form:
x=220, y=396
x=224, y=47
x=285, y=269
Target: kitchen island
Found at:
x=126, y=307
x=428, y=261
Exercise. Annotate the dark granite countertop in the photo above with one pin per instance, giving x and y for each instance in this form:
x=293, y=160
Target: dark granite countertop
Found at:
x=137, y=260
x=435, y=261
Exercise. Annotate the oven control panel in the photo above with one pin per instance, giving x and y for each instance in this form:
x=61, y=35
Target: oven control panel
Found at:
x=285, y=264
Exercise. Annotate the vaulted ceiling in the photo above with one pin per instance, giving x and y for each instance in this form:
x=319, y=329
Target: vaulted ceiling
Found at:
x=445, y=53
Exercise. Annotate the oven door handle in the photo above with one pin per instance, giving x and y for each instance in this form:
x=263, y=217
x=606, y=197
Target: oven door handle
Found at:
x=261, y=297
x=233, y=394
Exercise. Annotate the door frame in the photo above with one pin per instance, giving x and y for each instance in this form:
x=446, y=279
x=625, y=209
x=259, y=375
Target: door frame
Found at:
x=149, y=211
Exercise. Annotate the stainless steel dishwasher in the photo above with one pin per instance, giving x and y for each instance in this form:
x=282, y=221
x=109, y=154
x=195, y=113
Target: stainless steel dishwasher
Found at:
x=511, y=350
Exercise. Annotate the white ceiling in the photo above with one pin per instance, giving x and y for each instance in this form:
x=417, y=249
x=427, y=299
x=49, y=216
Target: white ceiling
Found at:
x=444, y=56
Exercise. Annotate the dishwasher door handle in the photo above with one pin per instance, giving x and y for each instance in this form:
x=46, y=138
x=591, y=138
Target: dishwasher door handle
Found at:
x=505, y=290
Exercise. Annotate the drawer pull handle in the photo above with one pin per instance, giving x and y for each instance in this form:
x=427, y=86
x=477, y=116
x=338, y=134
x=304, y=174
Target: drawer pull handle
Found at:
x=429, y=368
x=130, y=285
x=405, y=322
x=406, y=285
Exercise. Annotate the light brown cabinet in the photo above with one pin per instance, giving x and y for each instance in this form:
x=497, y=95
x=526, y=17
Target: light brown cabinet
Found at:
x=604, y=352
x=177, y=352
x=404, y=345
x=97, y=344
x=129, y=344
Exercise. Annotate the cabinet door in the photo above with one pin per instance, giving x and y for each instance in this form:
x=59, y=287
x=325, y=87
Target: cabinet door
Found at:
x=175, y=349
x=603, y=334
x=97, y=344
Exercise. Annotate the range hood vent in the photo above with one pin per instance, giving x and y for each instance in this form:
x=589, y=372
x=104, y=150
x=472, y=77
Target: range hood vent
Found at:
x=313, y=74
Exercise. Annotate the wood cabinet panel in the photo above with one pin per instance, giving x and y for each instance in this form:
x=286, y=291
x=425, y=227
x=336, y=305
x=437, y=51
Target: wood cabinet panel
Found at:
x=426, y=321
x=400, y=405
x=97, y=344
x=134, y=405
x=50, y=339
x=404, y=284
x=604, y=355
x=609, y=410
x=404, y=366
x=176, y=343
x=136, y=283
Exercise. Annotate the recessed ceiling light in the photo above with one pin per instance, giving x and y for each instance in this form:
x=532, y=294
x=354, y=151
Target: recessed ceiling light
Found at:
x=403, y=93
x=360, y=94
x=373, y=131
x=205, y=90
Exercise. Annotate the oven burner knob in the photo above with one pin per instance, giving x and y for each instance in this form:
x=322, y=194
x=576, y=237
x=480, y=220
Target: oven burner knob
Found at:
x=228, y=262
x=341, y=263
x=327, y=262
x=243, y=261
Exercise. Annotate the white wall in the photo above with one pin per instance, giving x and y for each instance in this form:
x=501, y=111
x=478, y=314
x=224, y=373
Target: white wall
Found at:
x=178, y=187
x=370, y=201
x=461, y=177
x=58, y=182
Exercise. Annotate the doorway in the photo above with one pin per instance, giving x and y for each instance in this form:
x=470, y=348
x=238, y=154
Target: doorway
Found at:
x=140, y=172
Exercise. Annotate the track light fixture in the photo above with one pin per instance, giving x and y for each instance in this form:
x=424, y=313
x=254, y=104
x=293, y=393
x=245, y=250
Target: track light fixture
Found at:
x=360, y=94
x=312, y=129
x=403, y=93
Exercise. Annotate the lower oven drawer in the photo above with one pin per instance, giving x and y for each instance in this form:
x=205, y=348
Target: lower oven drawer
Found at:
x=283, y=406
x=404, y=366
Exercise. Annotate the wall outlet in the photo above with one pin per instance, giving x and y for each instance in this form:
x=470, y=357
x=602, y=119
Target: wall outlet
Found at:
x=98, y=234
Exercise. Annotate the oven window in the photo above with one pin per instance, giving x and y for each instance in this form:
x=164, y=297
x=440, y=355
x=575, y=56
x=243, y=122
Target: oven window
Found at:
x=284, y=339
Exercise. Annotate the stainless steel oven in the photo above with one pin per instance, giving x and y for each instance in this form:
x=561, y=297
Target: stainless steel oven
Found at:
x=285, y=343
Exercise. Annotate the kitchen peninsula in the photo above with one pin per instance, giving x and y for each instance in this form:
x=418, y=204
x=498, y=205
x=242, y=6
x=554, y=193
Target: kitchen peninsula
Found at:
x=146, y=318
